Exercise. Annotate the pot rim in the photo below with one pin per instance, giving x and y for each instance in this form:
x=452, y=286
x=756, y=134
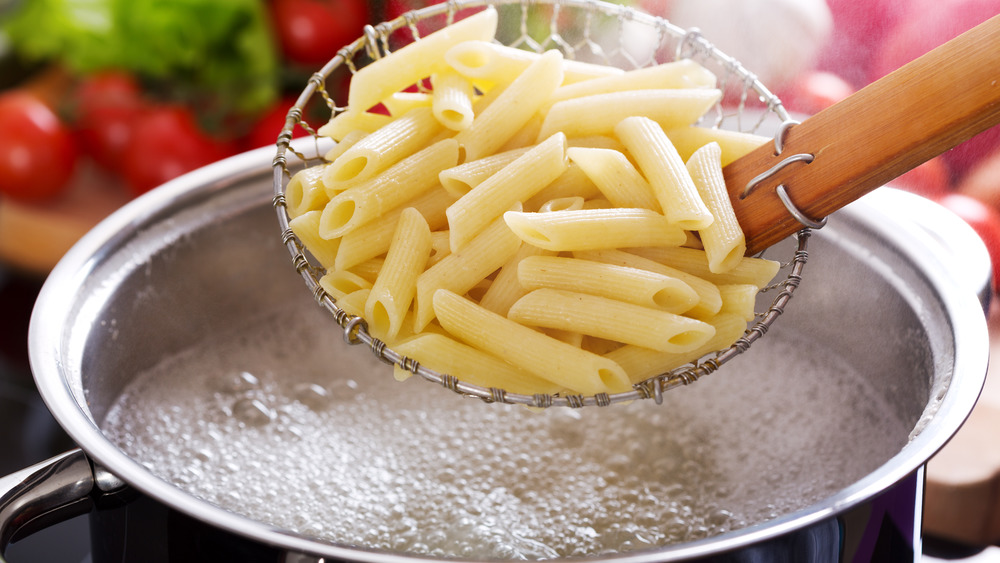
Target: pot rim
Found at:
x=957, y=294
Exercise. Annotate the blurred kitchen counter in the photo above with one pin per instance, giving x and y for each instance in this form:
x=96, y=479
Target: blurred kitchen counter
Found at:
x=962, y=499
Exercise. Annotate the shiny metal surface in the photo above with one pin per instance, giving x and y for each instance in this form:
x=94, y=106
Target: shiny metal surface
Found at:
x=201, y=250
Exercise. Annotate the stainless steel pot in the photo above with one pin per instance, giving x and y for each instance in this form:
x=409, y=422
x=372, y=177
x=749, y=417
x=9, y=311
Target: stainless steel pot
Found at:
x=895, y=283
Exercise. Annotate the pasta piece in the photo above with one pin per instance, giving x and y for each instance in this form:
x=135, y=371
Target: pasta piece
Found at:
x=598, y=114
x=344, y=144
x=571, y=183
x=306, y=227
x=611, y=319
x=597, y=142
x=506, y=287
x=354, y=303
x=412, y=63
x=460, y=271
x=514, y=183
x=567, y=366
x=754, y=271
x=460, y=179
x=369, y=269
x=615, y=176
x=734, y=144
x=401, y=103
x=525, y=136
x=663, y=168
x=493, y=63
x=709, y=299
x=452, y=100
x=393, y=290
x=440, y=247
x=739, y=299
x=446, y=355
x=400, y=183
x=643, y=363
x=339, y=283
x=632, y=285
x=304, y=191
x=381, y=149
x=684, y=73
x=589, y=229
x=571, y=203
x=723, y=240
x=346, y=122
x=373, y=238
x=512, y=108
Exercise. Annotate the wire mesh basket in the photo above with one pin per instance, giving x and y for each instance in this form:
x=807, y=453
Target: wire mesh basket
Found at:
x=584, y=30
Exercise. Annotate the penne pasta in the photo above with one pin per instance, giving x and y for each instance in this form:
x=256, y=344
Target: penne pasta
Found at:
x=460, y=179
x=684, y=73
x=452, y=100
x=598, y=114
x=611, y=319
x=709, y=299
x=734, y=144
x=615, y=176
x=632, y=285
x=393, y=290
x=305, y=191
x=444, y=354
x=412, y=63
x=567, y=366
x=512, y=108
x=373, y=238
x=461, y=270
x=492, y=63
x=571, y=183
x=339, y=283
x=354, y=303
x=739, y=299
x=754, y=271
x=723, y=239
x=401, y=182
x=643, y=363
x=401, y=103
x=663, y=168
x=306, y=227
x=589, y=229
x=506, y=287
x=514, y=183
x=349, y=121
x=381, y=149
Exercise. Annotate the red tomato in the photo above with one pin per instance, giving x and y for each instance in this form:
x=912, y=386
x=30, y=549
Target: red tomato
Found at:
x=931, y=179
x=983, y=181
x=108, y=105
x=813, y=91
x=267, y=127
x=984, y=220
x=166, y=142
x=312, y=31
x=37, y=152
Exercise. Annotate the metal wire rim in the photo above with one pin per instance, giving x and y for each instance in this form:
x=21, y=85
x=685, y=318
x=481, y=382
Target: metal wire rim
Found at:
x=376, y=42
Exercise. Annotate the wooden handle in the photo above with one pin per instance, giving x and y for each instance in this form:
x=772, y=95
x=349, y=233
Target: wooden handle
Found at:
x=894, y=124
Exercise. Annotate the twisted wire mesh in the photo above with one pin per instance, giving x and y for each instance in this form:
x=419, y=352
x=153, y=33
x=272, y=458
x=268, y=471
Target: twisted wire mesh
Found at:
x=586, y=30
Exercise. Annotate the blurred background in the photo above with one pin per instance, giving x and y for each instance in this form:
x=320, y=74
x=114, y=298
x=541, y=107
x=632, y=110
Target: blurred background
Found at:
x=103, y=100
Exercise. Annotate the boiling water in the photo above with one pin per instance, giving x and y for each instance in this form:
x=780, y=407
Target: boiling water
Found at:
x=257, y=422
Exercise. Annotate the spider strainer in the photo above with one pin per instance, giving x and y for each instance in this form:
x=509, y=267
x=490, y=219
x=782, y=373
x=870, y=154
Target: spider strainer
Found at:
x=590, y=31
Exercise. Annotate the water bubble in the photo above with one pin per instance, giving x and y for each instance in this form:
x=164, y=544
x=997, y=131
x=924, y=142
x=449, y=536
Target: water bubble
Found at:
x=253, y=412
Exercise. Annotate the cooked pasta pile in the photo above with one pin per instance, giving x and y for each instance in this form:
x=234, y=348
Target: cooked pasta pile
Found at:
x=528, y=222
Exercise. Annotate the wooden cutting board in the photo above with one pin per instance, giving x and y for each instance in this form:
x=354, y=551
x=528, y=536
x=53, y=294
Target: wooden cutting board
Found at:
x=33, y=237
x=962, y=498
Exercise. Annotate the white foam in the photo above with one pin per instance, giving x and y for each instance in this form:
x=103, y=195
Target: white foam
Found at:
x=257, y=422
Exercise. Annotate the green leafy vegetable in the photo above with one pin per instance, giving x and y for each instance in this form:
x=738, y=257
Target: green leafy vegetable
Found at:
x=215, y=52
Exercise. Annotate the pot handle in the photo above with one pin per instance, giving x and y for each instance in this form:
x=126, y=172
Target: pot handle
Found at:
x=44, y=494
